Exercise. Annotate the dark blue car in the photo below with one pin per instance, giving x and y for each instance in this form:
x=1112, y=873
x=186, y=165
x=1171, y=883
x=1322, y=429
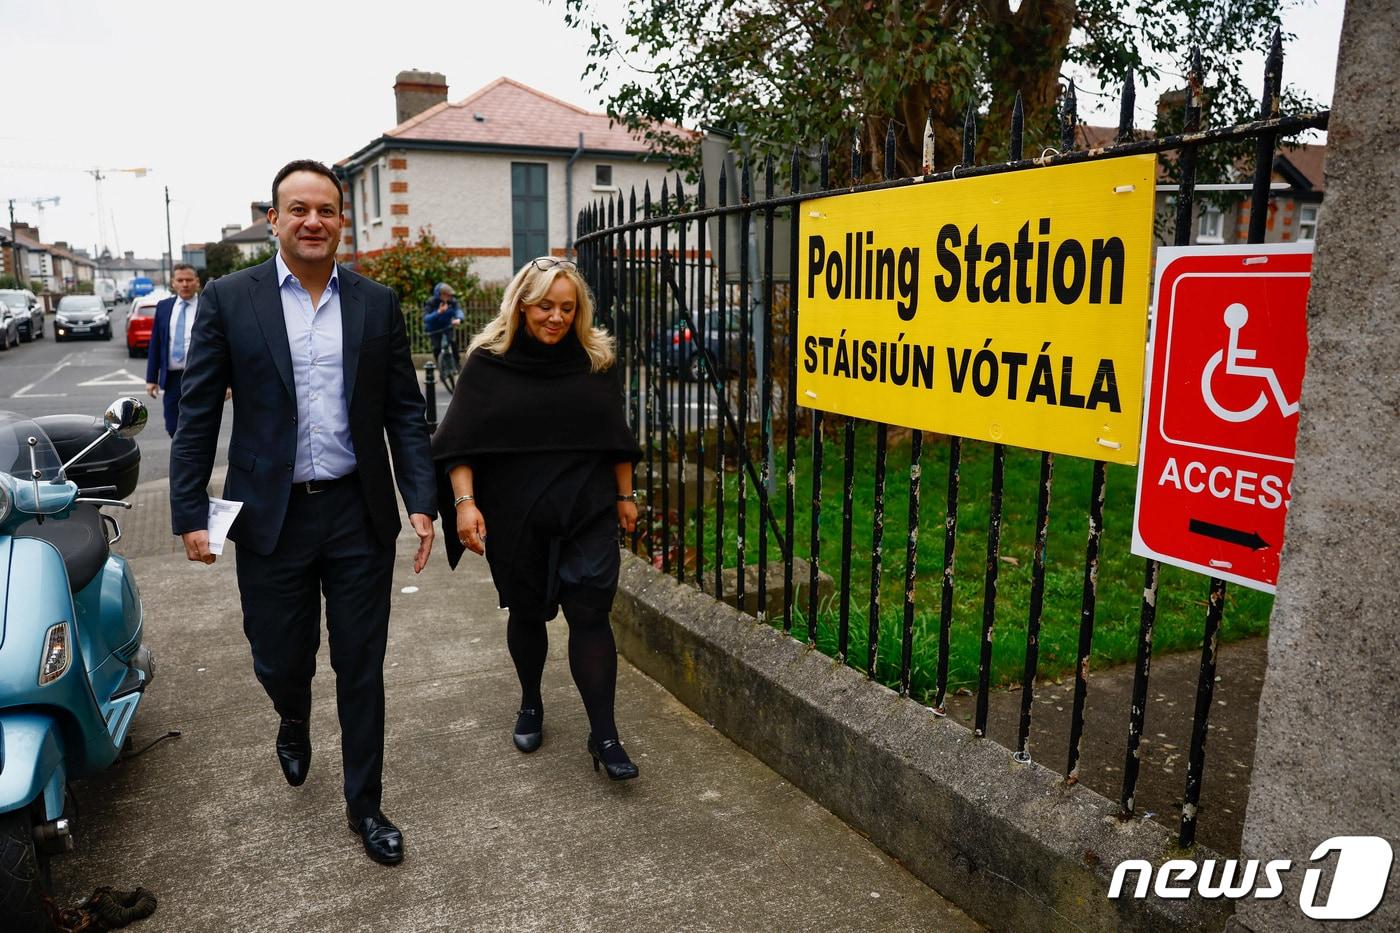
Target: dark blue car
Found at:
x=679, y=352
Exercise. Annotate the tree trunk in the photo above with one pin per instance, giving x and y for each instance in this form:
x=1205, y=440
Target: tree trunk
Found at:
x=1036, y=37
x=1026, y=60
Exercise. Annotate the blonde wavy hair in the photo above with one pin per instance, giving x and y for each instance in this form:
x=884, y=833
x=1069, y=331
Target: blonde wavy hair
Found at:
x=529, y=287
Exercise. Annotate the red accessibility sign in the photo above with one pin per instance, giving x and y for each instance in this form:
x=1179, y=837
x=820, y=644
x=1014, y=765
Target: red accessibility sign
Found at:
x=1225, y=372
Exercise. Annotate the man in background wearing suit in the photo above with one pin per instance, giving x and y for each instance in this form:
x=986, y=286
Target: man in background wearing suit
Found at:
x=317, y=358
x=170, y=342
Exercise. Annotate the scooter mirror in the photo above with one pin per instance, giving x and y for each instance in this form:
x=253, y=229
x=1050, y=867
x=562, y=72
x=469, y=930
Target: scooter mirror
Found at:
x=126, y=417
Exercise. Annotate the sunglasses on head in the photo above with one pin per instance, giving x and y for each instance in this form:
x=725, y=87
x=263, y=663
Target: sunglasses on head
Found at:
x=545, y=263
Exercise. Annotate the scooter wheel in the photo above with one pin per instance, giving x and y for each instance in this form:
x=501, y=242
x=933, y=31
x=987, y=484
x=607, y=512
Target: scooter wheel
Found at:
x=21, y=876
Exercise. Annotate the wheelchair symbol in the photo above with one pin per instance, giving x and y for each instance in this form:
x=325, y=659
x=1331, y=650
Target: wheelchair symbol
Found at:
x=1235, y=317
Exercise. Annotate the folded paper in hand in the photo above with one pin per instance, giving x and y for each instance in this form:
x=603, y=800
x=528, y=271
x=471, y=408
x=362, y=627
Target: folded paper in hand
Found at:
x=222, y=512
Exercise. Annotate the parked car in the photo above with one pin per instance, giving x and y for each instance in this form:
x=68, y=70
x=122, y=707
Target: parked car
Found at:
x=139, y=321
x=140, y=287
x=81, y=316
x=678, y=350
x=9, y=327
x=29, y=314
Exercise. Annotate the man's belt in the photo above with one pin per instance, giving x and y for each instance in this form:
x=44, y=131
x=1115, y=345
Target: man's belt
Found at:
x=313, y=486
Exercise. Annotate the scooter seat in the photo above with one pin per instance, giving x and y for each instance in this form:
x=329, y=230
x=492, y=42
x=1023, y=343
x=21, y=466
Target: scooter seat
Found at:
x=80, y=538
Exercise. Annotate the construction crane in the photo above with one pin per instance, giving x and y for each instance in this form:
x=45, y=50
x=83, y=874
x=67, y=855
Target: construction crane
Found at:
x=39, y=206
x=99, y=175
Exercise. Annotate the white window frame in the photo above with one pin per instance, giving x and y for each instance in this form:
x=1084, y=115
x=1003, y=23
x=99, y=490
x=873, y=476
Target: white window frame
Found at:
x=612, y=182
x=376, y=192
x=1307, y=227
x=1216, y=233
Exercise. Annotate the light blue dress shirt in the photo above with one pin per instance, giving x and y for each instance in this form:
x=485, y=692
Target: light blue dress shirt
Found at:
x=177, y=354
x=316, y=339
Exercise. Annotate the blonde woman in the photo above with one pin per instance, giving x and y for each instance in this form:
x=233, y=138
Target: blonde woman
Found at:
x=536, y=448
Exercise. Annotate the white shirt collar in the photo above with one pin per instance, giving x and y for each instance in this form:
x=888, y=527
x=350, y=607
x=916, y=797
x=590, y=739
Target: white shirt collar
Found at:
x=283, y=273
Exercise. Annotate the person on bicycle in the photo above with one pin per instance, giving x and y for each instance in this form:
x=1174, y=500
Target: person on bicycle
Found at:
x=441, y=313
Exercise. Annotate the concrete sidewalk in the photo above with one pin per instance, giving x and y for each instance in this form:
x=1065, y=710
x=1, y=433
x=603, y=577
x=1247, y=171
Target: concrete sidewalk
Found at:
x=707, y=839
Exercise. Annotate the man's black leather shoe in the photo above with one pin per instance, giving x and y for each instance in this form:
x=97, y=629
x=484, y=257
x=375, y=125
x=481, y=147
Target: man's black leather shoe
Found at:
x=294, y=750
x=382, y=839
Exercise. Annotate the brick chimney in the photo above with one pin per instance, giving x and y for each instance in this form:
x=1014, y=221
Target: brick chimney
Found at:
x=416, y=91
x=24, y=229
x=1171, y=105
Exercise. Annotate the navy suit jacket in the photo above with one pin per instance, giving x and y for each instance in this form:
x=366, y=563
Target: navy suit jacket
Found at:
x=158, y=353
x=240, y=341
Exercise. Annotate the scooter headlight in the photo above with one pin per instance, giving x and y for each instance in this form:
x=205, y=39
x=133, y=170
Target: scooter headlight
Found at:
x=5, y=503
x=58, y=654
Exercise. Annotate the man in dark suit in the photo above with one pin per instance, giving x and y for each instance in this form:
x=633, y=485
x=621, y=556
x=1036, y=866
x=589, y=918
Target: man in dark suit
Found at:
x=318, y=361
x=170, y=342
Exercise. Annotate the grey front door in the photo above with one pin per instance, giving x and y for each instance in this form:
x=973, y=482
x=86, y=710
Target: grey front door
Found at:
x=529, y=210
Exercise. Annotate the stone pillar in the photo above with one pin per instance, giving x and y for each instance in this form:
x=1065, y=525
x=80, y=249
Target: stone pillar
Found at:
x=1328, y=758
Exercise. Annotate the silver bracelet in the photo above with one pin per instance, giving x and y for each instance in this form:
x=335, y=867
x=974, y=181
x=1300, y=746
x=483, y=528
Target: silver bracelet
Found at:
x=460, y=499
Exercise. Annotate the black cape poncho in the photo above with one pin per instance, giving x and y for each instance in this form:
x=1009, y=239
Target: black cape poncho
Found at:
x=541, y=433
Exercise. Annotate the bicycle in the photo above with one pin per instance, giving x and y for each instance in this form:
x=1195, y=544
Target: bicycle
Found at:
x=446, y=360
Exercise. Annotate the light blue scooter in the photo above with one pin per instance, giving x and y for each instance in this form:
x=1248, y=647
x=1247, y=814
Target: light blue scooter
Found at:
x=72, y=665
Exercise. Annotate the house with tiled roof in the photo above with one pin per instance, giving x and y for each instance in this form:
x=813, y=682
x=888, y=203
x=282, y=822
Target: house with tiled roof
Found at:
x=194, y=254
x=499, y=175
x=11, y=264
x=1295, y=203
x=71, y=267
x=251, y=240
x=122, y=269
x=25, y=257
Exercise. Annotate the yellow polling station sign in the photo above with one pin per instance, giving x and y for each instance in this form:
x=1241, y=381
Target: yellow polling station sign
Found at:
x=1010, y=308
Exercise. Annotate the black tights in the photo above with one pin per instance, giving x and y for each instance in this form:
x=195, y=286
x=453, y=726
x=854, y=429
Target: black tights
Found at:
x=592, y=660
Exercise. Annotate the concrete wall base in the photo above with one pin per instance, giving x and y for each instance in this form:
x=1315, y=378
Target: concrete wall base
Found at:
x=1009, y=843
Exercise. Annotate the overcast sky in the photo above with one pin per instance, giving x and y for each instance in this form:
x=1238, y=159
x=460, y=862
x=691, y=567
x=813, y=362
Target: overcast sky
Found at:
x=213, y=103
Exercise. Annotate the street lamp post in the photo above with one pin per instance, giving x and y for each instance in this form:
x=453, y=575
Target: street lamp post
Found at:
x=169, y=250
x=14, y=243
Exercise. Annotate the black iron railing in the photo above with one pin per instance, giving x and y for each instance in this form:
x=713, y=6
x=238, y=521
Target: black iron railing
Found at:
x=714, y=411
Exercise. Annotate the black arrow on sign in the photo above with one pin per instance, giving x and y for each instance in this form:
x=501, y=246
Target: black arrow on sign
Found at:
x=1249, y=539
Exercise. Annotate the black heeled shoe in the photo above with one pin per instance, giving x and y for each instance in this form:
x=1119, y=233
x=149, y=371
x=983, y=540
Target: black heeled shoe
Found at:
x=613, y=759
x=529, y=729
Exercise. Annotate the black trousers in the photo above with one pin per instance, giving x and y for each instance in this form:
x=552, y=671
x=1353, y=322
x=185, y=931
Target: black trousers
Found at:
x=327, y=546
